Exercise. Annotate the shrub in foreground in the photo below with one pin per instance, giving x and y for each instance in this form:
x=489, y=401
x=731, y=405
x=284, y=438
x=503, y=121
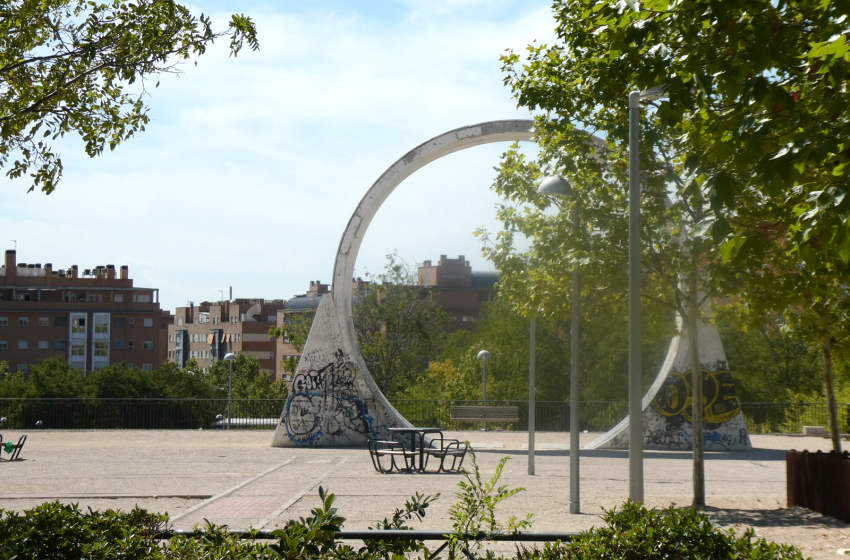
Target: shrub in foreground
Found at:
x=635, y=532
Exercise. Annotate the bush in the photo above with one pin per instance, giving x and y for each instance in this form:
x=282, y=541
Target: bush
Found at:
x=635, y=533
x=52, y=530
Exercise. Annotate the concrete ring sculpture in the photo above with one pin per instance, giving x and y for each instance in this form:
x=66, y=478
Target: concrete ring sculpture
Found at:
x=327, y=407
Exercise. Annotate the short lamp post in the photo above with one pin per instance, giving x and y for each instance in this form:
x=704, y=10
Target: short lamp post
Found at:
x=230, y=357
x=483, y=355
x=557, y=186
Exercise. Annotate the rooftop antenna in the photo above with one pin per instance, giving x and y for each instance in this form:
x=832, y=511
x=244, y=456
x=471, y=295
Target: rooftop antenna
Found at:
x=222, y=295
x=15, y=241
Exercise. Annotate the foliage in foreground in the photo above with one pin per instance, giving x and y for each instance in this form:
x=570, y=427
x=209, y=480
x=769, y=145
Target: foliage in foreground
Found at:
x=650, y=534
x=53, y=530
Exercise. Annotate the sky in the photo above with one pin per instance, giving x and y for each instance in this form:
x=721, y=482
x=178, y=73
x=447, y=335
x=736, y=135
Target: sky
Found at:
x=251, y=167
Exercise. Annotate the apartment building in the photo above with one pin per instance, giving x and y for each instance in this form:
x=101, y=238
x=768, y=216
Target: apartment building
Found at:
x=92, y=317
x=458, y=290
x=208, y=331
x=304, y=303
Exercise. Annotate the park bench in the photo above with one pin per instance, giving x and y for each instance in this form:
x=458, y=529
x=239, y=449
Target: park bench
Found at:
x=391, y=450
x=14, y=449
x=447, y=448
x=485, y=413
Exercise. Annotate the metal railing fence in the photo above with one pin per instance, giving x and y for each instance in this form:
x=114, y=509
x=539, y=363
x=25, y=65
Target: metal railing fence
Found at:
x=137, y=414
x=177, y=414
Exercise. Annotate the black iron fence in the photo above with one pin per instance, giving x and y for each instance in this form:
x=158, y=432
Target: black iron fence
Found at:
x=138, y=414
x=178, y=414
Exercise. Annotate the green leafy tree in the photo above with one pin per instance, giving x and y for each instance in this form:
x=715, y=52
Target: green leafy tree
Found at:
x=756, y=112
x=295, y=331
x=250, y=381
x=399, y=327
x=79, y=66
x=167, y=381
x=770, y=365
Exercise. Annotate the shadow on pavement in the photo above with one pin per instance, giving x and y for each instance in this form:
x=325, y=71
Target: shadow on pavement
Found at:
x=785, y=517
x=754, y=455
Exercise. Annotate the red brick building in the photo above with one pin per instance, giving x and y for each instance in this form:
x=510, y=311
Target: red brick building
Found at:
x=91, y=319
x=208, y=331
x=458, y=290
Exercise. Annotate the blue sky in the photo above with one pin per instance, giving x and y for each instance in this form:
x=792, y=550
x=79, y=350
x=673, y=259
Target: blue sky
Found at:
x=251, y=167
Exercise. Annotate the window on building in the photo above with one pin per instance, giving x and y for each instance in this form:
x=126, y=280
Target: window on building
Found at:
x=78, y=350
x=132, y=322
x=130, y=345
x=101, y=327
x=118, y=322
x=147, y=367
x=4, y=345
x=119, y=298
x=42, y=345
x=117, y=344
x=23, y=345
x=148, y=322
x=44, y=321
x=95, y=298
x=4, y=321
x=79, y=325
x=23, y=321
x=71, y=297
x=60, y=321
x=60, y=345
x=23, y=368
x=100, y=349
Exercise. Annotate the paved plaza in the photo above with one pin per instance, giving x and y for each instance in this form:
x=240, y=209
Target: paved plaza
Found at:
x=235, y=478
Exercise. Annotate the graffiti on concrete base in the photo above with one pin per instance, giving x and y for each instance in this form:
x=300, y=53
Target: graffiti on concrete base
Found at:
x=720, y=402
x=326, y=403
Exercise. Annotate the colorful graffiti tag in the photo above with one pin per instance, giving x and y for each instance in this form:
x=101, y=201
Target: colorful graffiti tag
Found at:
x=324, y=401
x=720, y=402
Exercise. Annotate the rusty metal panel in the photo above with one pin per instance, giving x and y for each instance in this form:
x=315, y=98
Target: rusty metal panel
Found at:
x=819, y=482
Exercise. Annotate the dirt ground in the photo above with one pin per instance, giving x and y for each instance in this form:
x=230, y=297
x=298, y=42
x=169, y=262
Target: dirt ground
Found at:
x=235, y=478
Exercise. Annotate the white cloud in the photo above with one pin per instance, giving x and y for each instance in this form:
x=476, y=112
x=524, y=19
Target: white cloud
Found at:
x=252, y=166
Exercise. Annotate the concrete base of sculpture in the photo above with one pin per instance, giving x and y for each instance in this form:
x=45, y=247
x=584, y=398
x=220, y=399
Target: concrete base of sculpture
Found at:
x=330, y=403
x=667, y=406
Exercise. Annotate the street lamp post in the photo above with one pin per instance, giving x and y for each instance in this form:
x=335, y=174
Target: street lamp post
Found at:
x=230, y=357
x=557, y=186
x=483, y=355
x=635, y=369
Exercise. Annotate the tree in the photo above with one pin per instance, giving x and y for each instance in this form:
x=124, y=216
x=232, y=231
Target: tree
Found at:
x=75, y=65
x=757, y=112
x=250, y=381
x=399, y=327
x=295, y=331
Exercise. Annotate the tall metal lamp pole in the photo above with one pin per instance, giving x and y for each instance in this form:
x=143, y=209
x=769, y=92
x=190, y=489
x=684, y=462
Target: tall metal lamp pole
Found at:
x=557, y=186
x=635, y=369
x=483, y=355
x=230, y=357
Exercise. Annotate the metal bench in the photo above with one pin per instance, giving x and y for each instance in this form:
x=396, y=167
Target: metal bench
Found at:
x=393, y=450
x=485, y=413
x=448, y=448
x=13, y=448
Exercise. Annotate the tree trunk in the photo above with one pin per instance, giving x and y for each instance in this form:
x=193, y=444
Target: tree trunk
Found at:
x=826, y=350
x=696, y=387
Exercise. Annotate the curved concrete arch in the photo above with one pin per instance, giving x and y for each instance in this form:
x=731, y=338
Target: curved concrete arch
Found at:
x=334, y=400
